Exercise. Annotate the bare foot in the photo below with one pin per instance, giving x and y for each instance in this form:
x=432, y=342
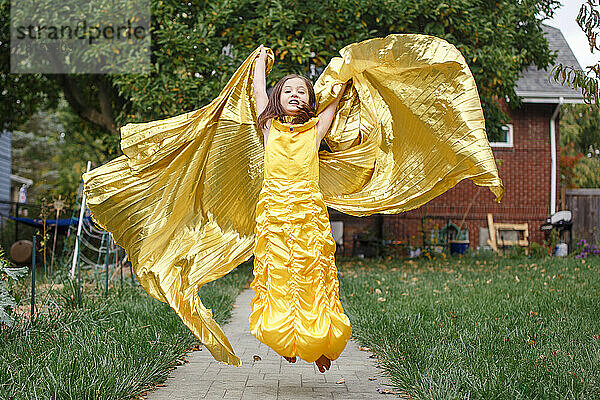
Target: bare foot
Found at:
x=290, y=359
x=323, y=363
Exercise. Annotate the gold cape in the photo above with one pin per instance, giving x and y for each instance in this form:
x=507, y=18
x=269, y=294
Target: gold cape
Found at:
x=181, y=199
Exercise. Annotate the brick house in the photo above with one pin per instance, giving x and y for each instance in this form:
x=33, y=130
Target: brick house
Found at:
x=528, y=166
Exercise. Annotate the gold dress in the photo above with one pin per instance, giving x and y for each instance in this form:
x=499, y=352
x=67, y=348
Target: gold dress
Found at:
x=296, y=310
x=182, y=198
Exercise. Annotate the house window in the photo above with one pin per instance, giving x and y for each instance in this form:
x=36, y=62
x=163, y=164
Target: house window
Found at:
x=507, y=137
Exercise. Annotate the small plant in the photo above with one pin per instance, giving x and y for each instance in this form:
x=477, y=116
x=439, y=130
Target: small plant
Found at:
x=7, y=301
x=553, y=240
x=69, y=294
x=537, y=250
x=45, y=233
x=583, y=249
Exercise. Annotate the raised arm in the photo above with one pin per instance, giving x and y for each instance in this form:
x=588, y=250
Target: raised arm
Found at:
x=326, y=116
x=260, y=87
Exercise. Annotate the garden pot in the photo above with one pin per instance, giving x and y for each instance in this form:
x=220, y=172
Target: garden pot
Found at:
x=458, y=246
x=21, y=251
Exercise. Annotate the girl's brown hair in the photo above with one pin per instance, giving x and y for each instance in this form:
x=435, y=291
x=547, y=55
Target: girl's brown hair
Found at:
x=275, y=110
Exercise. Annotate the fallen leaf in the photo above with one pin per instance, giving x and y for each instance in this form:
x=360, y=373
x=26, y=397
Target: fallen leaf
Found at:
x=378, y=291
x=372, y=378
x=380, y=299
x=341, y=381
x=361, y=348
x=256, y=358
x=196, y=347
x=517, y=278
x=386, y=391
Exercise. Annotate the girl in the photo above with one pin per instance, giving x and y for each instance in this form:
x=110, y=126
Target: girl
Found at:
x=195, y=195
x=296, y=310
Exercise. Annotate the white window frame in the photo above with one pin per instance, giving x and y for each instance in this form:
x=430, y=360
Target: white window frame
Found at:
x=509, y=137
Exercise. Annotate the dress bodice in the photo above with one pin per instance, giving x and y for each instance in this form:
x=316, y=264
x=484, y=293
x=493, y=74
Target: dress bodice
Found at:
x=291, y=151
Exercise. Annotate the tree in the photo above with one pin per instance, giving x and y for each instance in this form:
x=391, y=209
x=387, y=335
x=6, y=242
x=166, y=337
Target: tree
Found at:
x=580, y=145
x=588, y=20
x=33, y=151
x=52, y=149
x=197, y=45
x=580, y=124
x=587, y=172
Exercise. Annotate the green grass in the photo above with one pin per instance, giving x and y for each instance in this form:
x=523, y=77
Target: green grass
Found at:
x=492, y=329
x=108, y=349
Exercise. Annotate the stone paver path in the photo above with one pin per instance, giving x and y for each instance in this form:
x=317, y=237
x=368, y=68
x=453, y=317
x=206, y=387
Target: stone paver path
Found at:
x=352, y=376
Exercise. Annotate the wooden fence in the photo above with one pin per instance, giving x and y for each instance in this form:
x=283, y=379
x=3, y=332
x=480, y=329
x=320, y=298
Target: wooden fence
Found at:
x=585, y=206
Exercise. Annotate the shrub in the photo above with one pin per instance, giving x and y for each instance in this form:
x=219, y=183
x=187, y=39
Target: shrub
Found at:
x=8, y=273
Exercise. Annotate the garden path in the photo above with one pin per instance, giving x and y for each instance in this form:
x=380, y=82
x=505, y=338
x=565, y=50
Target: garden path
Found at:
x=353, y=375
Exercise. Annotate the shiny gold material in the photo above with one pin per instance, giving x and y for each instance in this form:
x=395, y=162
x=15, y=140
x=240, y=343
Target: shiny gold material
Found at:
x=296, y=310
x=182, y=199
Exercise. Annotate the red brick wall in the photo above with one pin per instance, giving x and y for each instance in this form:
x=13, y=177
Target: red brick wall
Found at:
x=525, y=172
x=354, y=225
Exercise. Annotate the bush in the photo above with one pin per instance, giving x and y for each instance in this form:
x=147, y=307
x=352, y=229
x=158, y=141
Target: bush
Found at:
x=8, y=273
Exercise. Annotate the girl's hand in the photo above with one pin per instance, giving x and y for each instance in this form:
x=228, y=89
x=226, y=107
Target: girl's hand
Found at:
x=262, y=54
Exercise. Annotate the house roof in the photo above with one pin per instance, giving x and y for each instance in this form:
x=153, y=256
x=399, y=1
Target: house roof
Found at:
x=21, y=180
x=534, y=86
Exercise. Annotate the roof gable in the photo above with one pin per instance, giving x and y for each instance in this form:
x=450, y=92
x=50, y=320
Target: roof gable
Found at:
x=535, y=86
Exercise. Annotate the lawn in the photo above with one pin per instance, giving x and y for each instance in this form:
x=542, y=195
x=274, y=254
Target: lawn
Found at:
x=501, y=328
x=494, y=328
x=111, y=348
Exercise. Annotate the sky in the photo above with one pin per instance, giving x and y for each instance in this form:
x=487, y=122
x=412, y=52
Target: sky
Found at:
x=565, y=20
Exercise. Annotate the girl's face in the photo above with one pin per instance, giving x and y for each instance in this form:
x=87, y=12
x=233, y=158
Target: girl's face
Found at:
x=293, y=94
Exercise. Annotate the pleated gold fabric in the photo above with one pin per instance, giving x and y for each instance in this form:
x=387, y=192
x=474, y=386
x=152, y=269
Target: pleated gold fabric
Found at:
x=182, y=199
x=296, y=310
x=414, y=109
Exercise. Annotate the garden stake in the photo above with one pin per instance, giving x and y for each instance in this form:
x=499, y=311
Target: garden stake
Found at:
x=33, y=279
x=106, y=263
x=16, y=222
x=131, y=272
x=77, y=248
x=121, y=264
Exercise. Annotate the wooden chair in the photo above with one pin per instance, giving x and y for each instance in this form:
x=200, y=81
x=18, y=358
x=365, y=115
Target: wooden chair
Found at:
x=495, y=230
